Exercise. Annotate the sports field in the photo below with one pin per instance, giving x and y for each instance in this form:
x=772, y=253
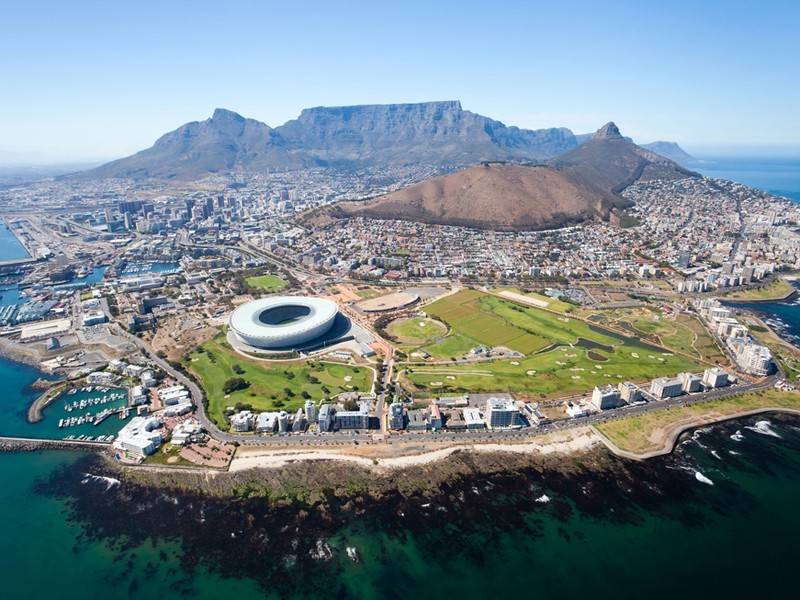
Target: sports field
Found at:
x=564, y=355
x=273, y=386
x=416, y=331
x=267, y=283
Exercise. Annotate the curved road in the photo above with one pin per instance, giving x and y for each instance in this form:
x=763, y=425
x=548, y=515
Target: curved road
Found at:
x=340, y=439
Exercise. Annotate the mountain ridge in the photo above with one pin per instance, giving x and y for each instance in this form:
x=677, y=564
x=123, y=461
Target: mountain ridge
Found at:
x=349, y=136
x=582, y=184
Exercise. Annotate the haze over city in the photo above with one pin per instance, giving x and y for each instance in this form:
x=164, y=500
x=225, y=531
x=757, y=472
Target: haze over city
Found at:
x=90, y=82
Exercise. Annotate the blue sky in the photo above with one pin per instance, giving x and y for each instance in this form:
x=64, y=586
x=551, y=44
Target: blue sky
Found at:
x=84, y=80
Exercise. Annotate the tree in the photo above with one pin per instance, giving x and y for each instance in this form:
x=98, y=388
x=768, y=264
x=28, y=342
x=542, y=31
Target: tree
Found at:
x=234, y=384
x=237, y=369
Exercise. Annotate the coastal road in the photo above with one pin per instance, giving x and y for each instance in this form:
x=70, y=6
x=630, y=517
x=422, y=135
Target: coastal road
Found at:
x=341, y=439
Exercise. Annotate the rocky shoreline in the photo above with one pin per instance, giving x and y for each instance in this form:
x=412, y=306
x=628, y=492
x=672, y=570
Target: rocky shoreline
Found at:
x=310, y=518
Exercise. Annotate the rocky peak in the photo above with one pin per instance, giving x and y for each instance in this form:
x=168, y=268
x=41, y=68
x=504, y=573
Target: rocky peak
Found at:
x=223, y=114
x=607, y=131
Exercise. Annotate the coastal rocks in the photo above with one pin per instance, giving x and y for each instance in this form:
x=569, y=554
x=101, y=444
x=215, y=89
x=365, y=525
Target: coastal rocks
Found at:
x=29, y=445
x=314, y=520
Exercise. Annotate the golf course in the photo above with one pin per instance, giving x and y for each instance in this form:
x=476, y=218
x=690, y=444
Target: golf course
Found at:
x=562, y=354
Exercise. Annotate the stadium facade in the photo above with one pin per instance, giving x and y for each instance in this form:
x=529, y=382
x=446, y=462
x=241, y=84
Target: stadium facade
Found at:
x=283, y=322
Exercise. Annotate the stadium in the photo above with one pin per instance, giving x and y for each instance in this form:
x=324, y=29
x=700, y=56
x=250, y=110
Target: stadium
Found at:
x=283, y=322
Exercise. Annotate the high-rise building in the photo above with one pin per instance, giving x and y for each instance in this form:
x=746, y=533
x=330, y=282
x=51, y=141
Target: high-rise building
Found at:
x=606, y=397
x=311, y=411
x=715, y=377
x=397, y=418
x=666, y=387
x=501, y=413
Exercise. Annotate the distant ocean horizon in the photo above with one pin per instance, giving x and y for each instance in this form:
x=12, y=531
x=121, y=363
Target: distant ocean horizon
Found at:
x=776, y=175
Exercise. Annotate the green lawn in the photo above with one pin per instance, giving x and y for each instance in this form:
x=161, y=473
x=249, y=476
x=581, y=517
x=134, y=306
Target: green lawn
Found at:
x=416, y=331
x=268, y=380
x=778, y=289
x=267, y=283
x=552, y=303
x=581, y=357
x=681, y=333
x=642, y=433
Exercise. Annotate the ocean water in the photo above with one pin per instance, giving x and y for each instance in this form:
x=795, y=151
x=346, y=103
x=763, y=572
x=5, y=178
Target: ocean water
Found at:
x=782, y=316
x=10, y=247
x=716, y=520
x=779, y=176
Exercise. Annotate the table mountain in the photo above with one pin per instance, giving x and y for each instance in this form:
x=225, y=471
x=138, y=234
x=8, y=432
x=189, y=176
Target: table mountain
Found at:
x=434, y=133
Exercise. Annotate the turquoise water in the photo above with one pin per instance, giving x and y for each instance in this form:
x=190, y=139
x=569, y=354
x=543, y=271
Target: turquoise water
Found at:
x=605, y=538
x=776, y=175
x=44, y=555
x=10, y=248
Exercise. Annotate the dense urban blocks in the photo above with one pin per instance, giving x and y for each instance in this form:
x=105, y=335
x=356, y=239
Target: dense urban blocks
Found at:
x=283, y=322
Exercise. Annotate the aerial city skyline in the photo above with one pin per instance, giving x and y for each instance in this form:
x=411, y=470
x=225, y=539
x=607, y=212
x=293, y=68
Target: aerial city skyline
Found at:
x=377, y=301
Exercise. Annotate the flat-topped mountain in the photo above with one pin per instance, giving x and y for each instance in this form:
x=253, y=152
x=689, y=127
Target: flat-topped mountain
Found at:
x=409, y=133
x=438, y=133
x=585, y=183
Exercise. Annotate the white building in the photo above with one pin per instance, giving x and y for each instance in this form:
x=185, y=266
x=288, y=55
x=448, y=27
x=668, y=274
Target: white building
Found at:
x=94, y=317
x=715, y=377
x=176, y=410
x=666, y=387
x=267, y=422
x=353, y=419
x=242, y=421
x=629, y=392
x=138, y=395
x=606, y=397
x=140, y=437
x=472, y=418
x=311, y=411
x=691, y=382
x=100, y=378
x=185, y=432
x=754, y=359
x=397, y=419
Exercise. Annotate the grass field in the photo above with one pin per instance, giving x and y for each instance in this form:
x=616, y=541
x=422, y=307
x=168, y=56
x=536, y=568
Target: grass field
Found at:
x=267, y=283
x=416, y=331
x=681, y=332
x=778, y=289
x=646, y=432
x=214, y=364
x=552, y=303
x=581, y=356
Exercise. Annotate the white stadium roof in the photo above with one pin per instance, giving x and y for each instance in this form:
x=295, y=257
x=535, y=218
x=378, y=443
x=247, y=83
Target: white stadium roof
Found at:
x=283, y=321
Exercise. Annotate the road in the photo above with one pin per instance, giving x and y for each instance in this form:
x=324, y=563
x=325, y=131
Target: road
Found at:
x=339, y=439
